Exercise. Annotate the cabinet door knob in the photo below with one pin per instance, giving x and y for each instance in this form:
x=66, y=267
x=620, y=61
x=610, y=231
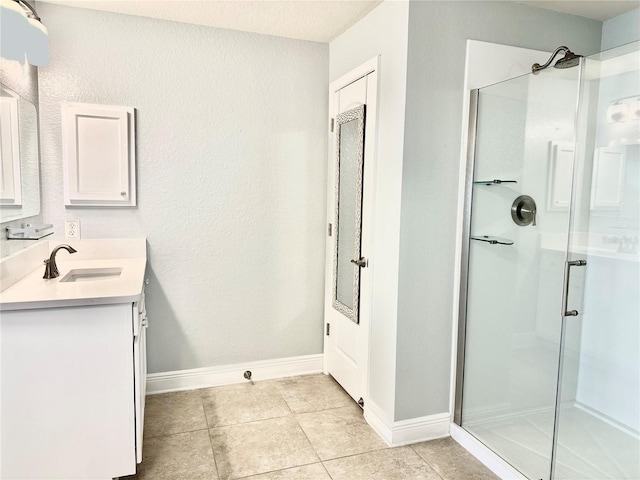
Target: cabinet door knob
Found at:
x=123, y=194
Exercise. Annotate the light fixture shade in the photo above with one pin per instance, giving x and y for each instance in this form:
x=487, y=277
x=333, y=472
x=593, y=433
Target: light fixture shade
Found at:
x=37, y=43
x=618, y=112
x=22, y=36
x=13, y=29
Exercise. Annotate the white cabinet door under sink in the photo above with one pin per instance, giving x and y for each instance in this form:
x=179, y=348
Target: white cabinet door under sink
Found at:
x=67, y=392
x=140, y=370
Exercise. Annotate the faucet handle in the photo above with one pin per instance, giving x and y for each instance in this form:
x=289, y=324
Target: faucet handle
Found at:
x=47, y=269
x=50, y=270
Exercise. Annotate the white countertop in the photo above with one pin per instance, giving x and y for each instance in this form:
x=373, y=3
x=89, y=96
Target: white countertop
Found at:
x=34, y=292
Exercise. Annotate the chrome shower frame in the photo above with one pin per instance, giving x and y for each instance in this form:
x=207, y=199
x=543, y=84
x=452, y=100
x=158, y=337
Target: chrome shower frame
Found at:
x=464, y=264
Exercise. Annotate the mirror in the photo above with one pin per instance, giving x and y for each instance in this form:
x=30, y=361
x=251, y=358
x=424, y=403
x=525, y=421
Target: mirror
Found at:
x=348, y=212
x=19, y=158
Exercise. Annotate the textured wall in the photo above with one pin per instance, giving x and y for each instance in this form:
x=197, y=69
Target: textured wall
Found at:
x=382, y=32
x=437, y=35
x=231, y=152
x=620, y=30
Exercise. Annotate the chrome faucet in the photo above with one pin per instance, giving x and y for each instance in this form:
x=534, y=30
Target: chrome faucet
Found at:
x=51, y=269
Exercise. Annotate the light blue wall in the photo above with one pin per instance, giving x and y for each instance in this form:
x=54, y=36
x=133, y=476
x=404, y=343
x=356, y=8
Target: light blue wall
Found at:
x=438, y=32
x=231, y=163
x=620, y=30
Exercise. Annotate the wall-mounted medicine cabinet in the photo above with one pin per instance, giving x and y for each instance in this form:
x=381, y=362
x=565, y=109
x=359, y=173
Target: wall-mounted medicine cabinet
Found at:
x=98, y=148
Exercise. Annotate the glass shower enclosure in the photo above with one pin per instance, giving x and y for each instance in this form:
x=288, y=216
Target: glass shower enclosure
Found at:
x=549, y=336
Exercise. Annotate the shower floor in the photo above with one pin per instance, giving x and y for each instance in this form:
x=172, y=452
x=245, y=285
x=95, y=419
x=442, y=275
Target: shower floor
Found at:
x=589, y=447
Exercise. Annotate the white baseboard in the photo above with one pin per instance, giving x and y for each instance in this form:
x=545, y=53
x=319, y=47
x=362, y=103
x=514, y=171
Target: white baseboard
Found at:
x=378, y=421
x=228, y=374
x=490, y=460
x=405, y=432
x=421, y=429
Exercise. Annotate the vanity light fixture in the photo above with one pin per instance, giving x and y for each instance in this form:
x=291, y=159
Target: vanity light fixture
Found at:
x=23, y=36
x=623, y=110
x=618, y=112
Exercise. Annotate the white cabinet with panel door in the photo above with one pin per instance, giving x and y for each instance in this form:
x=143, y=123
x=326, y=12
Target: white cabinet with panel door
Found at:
x=73, y=386
x=98, y=149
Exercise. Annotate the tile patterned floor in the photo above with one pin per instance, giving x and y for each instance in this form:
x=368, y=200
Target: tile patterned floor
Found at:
x=298, y=428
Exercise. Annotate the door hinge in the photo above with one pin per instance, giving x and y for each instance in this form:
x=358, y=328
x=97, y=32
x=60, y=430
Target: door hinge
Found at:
x=328, y=328
x=330, y=229
x=332, y=123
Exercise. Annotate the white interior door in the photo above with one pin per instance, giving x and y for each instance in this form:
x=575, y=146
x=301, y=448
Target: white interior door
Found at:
x=349, y=264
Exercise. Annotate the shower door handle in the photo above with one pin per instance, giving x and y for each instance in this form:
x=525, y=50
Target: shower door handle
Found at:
x=565, y=291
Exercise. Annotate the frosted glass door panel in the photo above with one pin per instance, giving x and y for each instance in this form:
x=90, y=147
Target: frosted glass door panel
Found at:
x=599, y=421
x=513, y=320
x=348, y=212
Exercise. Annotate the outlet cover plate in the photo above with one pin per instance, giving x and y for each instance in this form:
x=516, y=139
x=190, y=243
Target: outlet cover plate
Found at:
x=72, y=229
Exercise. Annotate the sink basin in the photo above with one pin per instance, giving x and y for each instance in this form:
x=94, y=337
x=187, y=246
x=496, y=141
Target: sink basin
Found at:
x=91, y=274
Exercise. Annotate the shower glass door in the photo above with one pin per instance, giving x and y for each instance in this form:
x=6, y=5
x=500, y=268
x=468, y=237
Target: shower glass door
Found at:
x=597, y=435
x=520, y=199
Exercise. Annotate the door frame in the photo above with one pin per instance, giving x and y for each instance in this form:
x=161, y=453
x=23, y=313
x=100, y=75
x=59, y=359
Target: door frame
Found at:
x=372, y=66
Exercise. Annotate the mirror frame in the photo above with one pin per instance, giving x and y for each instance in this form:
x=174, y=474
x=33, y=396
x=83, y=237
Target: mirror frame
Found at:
x=29, y=144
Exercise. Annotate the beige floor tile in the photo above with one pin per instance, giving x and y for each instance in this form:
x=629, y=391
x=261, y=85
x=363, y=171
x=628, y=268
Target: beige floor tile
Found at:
x=389, y=464
x=451, y=461
x=173, y=413
x=311, y=393
x=245, y=402
x=315, y=471
x=179, y=456
x=339, y=432
x=259, y=447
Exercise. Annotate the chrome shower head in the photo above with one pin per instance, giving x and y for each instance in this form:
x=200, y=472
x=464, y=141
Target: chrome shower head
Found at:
x=569, y=60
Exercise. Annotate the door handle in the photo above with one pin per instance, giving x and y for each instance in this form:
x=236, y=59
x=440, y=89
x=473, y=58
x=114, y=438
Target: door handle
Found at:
x=362, y=262
x=565, y=291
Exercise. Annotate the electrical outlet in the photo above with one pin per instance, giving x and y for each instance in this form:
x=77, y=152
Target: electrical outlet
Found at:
x=72, y=229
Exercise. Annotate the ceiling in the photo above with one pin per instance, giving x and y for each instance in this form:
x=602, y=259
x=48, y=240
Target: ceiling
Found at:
x=313, y=20
x=597, y=10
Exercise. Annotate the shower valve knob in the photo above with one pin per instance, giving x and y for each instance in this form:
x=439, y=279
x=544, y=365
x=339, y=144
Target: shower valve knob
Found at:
x=524, y=211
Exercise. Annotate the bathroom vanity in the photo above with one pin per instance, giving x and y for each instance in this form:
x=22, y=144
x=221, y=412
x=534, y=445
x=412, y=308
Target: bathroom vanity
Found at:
x=73, y=362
